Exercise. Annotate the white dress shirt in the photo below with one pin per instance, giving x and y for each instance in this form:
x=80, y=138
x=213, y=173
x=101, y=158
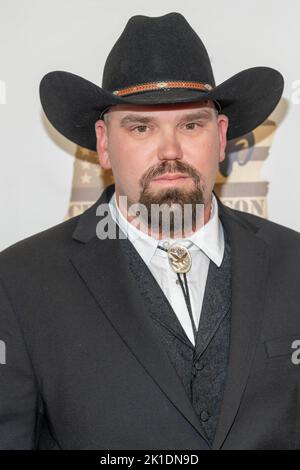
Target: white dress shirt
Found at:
x=207, y=244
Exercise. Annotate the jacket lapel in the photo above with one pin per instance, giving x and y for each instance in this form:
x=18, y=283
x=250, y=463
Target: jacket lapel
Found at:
x=216, y=304
x=103, y=267
x=250, y=257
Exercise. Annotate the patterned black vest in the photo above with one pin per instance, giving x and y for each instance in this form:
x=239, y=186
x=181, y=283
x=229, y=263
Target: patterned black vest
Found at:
x=201, y=368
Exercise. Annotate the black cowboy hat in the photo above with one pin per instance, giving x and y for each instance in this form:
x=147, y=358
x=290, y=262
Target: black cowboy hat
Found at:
x=157, y=60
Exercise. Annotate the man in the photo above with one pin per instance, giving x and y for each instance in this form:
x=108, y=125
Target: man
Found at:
x=149, y=340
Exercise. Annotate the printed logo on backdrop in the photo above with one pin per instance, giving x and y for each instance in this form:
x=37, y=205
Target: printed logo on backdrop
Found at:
x=89, y=180
x=239, y=184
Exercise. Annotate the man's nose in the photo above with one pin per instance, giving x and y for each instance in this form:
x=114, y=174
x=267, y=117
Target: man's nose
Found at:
x=169, y=147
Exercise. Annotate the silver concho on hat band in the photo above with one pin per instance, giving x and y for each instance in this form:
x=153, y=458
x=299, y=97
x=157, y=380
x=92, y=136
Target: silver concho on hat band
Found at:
x=179, y=258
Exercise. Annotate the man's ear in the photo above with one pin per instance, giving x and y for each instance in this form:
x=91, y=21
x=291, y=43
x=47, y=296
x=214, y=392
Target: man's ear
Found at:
x=223, y=122
x=102, y=144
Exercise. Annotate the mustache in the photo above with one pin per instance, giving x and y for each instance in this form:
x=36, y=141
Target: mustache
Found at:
x=169, y=167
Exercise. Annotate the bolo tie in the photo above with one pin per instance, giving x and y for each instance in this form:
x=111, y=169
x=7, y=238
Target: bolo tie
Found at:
x=180, y=261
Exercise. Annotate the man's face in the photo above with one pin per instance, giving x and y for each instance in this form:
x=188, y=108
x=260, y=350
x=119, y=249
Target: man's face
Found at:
x=162, y=151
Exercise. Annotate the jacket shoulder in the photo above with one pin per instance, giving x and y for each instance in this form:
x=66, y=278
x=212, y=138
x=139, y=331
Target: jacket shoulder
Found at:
x=272, y=232
x=56, y=239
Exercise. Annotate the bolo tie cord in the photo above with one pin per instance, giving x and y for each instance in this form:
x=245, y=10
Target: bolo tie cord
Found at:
x=186, y=295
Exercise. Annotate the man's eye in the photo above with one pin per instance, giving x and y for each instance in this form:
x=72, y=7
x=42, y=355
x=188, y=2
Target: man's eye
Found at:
x=192, y=125
x=140, y=129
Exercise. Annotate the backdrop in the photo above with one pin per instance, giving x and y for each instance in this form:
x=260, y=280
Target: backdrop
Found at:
x=45, y=179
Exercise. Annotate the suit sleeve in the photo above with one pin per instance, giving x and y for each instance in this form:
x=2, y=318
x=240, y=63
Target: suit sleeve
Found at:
x=18, y=388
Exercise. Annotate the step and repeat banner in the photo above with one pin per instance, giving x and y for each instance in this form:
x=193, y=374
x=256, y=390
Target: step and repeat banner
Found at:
x=46, y=179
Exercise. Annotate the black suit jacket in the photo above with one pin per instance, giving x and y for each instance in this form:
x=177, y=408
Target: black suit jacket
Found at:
x=84, y=368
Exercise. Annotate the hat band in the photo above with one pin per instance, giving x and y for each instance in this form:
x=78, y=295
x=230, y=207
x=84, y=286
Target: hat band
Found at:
x=162, y=85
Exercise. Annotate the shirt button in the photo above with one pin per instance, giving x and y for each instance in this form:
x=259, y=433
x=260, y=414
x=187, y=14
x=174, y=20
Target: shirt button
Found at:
x=204, y=416
x=177, y=281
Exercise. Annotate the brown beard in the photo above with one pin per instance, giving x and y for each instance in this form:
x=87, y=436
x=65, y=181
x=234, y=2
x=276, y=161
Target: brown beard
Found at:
x=170, y=196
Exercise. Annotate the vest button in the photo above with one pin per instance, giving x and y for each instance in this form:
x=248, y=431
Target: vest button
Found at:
x=204, y=416
x=196, y=367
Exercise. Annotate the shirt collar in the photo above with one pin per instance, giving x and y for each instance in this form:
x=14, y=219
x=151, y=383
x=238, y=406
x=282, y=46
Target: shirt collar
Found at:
x=209, y=238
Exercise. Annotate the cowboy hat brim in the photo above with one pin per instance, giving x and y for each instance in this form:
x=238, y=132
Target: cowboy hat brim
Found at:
x=73, y=104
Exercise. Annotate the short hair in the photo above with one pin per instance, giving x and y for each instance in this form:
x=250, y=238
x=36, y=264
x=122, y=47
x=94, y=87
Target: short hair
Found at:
x=106, y=118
